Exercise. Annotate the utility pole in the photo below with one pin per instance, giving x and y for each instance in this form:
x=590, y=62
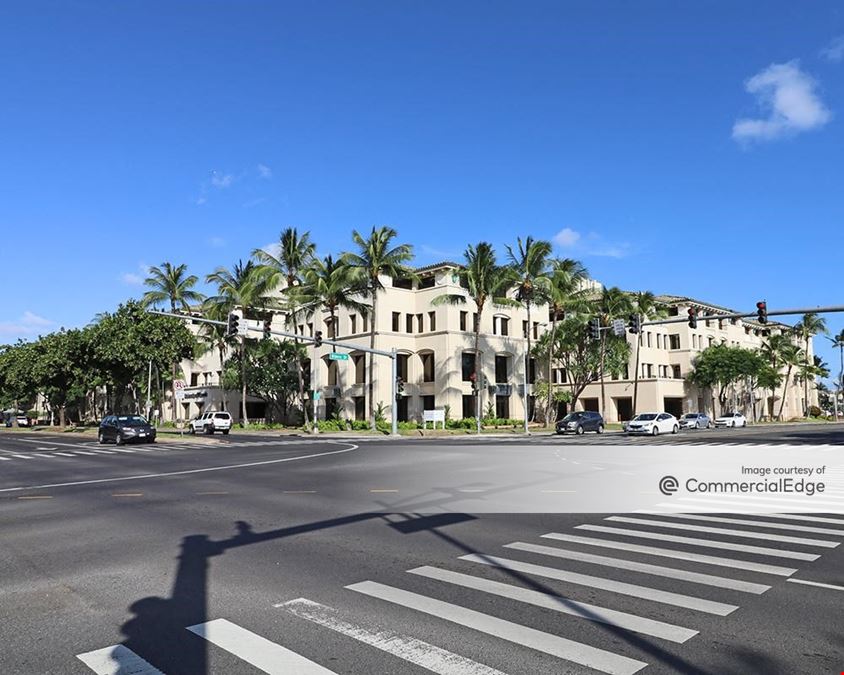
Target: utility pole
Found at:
x=149, y=389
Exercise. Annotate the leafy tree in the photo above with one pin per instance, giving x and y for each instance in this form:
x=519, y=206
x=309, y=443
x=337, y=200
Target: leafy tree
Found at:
x=721, y=366
x=485, y=281
x=18, y=381
x=376, y=255
x=838, y=341
x=613, y=303
x=61, y=369
x=811, y=324
x=270, y=369
x=791, y=356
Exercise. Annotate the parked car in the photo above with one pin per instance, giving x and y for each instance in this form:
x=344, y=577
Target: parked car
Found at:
x=581, y=421
x=731, y=419
x=653, y=423
x=22, y=420
x=695, y=421
x=209, y=422
x=120, y=429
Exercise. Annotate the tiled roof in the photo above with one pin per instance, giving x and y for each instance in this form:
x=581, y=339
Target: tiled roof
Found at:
x=439, y=265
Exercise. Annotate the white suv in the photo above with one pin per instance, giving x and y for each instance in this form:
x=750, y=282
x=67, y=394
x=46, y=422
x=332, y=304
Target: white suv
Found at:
x=210, y=422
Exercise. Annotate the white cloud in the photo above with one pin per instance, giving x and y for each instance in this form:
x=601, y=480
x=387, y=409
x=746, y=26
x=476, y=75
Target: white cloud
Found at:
x=132, y=279
x=264, y=171
x=221, y=181
x=788, y=96
x=199, y=201
x=566, y=237
x=28, y=323
x=216, y=242
x=834, y=51
x=273, y=248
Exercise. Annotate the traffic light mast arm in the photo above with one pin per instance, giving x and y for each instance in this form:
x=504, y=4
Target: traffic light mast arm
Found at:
x=743, y=315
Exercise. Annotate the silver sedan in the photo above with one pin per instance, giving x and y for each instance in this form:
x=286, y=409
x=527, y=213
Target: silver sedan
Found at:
x=695, y=421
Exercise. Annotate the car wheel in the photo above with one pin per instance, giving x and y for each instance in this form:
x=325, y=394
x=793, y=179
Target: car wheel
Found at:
x=733, y=425
x=225, y=432
x=655, y=430
x=150, y=440
x=675, y=429
x=600, y=429
x=118, y=439
x=100, y=438
x=709, y=424
x=193, y=431
x=579, y=430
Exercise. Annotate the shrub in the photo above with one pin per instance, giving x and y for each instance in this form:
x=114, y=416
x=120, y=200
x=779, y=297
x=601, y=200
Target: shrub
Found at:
x=814, y=411
x=360, y=425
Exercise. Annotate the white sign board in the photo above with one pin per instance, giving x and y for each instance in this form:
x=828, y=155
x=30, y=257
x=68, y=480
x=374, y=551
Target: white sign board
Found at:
x=180, y=394
x=433, y=416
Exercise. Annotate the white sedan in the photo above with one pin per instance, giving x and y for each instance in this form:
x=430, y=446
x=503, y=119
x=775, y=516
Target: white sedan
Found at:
x=731, y=419
x=653, y=424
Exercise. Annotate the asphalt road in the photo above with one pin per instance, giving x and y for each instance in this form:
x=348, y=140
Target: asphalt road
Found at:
x=288, y=555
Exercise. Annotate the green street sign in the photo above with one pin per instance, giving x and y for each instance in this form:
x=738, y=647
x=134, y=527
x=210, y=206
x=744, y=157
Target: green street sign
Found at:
x=337, y=356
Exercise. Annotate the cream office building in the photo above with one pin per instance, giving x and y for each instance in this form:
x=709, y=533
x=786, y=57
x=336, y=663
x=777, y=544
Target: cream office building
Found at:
x=435, y=347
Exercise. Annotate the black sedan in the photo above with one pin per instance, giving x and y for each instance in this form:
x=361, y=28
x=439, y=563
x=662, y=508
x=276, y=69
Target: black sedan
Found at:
x=120, y=429
x=578, y=422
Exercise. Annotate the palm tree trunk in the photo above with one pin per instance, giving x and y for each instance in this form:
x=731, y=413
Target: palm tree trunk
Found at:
x=475, y=373
x=371, y=359
x=806, y=384
x=603, y=361
x=784, y=390
x=527, y=365
x=550, y=364
x=244, y=418
x=636, y=375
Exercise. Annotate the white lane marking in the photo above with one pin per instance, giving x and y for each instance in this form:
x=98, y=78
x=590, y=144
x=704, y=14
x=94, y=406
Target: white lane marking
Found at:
x=45, y=448
x=788, y=499
x=725, y=506
x=123, y=450
x=5, y=459
x=673, y=553
x=41, y=454
x=257, y=651
x=412, y=650
x=559, y=603
x=66, y=445
x=817, y=583
x=764, y=524
x=808, y=519
x=645, y=568
x=569, y=650
x=84, y=452
x=633, y=590
x=351, y=447
x=117, y=660
x=706, y=543
x=104, y=452
x=741, y=534
x=64, y=454
x=23, y=456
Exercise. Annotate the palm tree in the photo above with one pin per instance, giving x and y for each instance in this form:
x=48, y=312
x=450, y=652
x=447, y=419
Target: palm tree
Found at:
x=376, y=255
x=295, y=253
x=243, y=286
x=564, y=293
x=649, y=309
x=215, y=337
x=791, y=356
x=811, y=324
x=485, y=281
x=613, y=303
x=772, y=351
x=171, y=283
x=529, y=268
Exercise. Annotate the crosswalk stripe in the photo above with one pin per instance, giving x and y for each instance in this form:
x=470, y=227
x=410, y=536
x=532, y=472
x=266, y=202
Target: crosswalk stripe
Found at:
x=41, y=454
x=764, y=524
x=64, y=454
x=743, y=534
x=558, y=603
x=123, y=450
x=763, y=568
x=645, y=568
x=257, y=651
x=84, y=452
x=563, y=648
x=412, y=650
x=808, y=519
x=706, y=543
x=104, y=452
x=623, y=588
x=23, y=456
x=800, y=502
x=117, y=660
x=5, y=459
x=832, y=587
x=728, y=506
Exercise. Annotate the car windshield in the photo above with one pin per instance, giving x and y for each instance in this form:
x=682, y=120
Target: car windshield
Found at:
x=572, y=417
x=644, y=417
x=690, y=416
x=131, y=420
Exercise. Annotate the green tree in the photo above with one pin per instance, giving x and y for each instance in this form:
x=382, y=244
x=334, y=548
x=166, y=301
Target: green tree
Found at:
x=771, y=350
x=529, y=267
x=613, y=303
x=838, y=341
x=243, y=286
x=62, y=360
x=647, y=307
x=18, y=381
x=721, y=366
x=284, y=269
x=791, y=356
x=811, y=324
x=485, y=281
x=376, y=255
x=171, y=284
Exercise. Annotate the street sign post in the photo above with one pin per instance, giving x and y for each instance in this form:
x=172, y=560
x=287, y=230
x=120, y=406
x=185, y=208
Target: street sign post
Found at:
x=337, y=356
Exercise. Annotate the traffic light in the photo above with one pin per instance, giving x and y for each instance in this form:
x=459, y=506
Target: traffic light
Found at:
x=318, y=339
x=762, y=311
x=595, y=328
x=268, y=323
x=399, y=386
x=692, y=317
x=232, y=324
x=635, y=324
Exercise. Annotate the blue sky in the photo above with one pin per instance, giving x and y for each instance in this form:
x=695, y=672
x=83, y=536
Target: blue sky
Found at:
x=689, y=148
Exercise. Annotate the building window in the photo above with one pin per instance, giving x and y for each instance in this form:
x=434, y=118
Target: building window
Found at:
x=360, y=368
x=427, y=366
x=711, y=341
x=626, y=372
x=401, y=366
x=432, y=321
x=659, y=341
x=676, y=373
x=694, y=341
x=426, y=282
x=403, y=283
x=531, y=371
x=408, y=323
x=329, y=328
x=495, y=325
x=505, y=325
x=559, y=375
x=311, y=329
x=467, y=364
x=194, y=379
x=463, y=316
x=353, y=322
x=524, y=329
x=468, y=405
x=419, y=327
x=396, y=321
x=501, y=369
x=365, y=322
x=332, y=373
x=502, y=407
x=428, y=403
x=674, y=341
x=535, y=330
x=649, y=338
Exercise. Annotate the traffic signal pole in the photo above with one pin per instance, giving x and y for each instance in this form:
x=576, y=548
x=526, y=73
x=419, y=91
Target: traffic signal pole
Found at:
x=392, y=354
